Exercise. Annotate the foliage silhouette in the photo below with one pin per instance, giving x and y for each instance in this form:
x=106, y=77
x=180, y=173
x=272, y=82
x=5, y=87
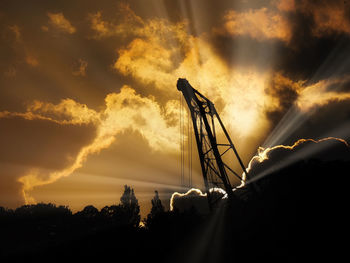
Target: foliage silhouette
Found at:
x=42, y=211
x=297, y=216
x=157, y=212
x=130, y=209
x=88, y=212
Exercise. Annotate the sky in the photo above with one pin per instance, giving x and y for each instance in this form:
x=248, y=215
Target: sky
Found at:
x=88, y=98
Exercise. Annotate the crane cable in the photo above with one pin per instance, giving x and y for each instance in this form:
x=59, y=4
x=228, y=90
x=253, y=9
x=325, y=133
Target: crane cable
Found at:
x=183, y=145
x=189, y=140
x=181, y=140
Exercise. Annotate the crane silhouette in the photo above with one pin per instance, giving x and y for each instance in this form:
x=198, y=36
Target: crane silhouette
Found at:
x=216, y=172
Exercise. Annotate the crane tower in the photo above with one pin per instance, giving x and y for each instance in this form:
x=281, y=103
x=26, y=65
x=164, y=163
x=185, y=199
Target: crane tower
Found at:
x=216, y=172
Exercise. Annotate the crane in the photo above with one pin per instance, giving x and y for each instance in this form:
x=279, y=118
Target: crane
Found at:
x=215, y=170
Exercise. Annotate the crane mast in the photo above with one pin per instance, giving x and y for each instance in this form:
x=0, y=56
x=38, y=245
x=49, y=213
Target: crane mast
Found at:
x=214, y=169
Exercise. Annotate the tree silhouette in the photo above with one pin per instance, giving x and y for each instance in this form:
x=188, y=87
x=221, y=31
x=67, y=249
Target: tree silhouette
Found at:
x=130, y=207
x=42, y=211
x=157, y=211
x=89, y=212
x=157, y=206
x=110, y=212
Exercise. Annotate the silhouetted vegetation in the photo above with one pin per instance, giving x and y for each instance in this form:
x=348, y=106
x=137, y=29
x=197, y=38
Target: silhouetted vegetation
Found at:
x=299, y=214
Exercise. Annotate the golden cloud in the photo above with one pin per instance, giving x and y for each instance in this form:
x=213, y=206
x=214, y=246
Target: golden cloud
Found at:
x=125, y=110
x=322, y=93
x=33, y=144
x=158, y=54
x=61, y=23
x=128, y=23
x=162, y=52
x=67, y=111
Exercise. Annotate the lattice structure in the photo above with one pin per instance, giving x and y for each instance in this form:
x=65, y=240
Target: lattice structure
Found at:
x=205, y=119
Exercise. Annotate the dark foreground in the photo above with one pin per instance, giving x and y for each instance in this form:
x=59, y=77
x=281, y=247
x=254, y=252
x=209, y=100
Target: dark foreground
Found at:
x=300, y=214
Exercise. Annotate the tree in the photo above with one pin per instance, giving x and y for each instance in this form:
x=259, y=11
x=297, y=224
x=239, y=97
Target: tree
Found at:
x=130, y=207
x=157, y=206
x=157, y=210
x=42, y=211
x=88, y=212
x=110, y=212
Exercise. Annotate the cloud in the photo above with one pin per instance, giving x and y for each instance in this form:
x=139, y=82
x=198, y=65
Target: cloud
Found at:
x=278, y=20
x=102, y=28
x=128, y=110
x=260, y=24
x=160, y=52
x=35, y=146
x=127, y=22
x=152, y=63
x=58, y=21
x=268, y=161
x=152, y=53
x=283, y=93
x=154, y=58
x=57, y=154
x=329, y=17
x=295, y=109
x=67, y=111
x=323, y=92
x=194, y=198
x=272, y=159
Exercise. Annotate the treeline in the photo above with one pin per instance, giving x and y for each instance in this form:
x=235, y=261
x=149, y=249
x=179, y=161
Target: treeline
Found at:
x=126, y=213
x=300, y=213
x=42, y=230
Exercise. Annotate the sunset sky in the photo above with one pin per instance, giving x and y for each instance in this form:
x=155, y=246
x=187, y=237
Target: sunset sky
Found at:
x=88, y=98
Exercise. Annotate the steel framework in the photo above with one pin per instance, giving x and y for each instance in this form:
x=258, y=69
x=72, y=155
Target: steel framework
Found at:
x=215, y=171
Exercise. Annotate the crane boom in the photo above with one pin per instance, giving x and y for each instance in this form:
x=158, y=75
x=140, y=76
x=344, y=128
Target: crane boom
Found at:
x=215, y=171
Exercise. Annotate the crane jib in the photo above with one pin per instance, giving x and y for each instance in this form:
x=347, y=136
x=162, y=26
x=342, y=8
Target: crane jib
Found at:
x=215, y=170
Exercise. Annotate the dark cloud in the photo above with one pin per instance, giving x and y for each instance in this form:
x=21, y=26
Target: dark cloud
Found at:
x=279, y=157
x=285, y=92
x=332, y=120
x=320, y=40
x=310, y=54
